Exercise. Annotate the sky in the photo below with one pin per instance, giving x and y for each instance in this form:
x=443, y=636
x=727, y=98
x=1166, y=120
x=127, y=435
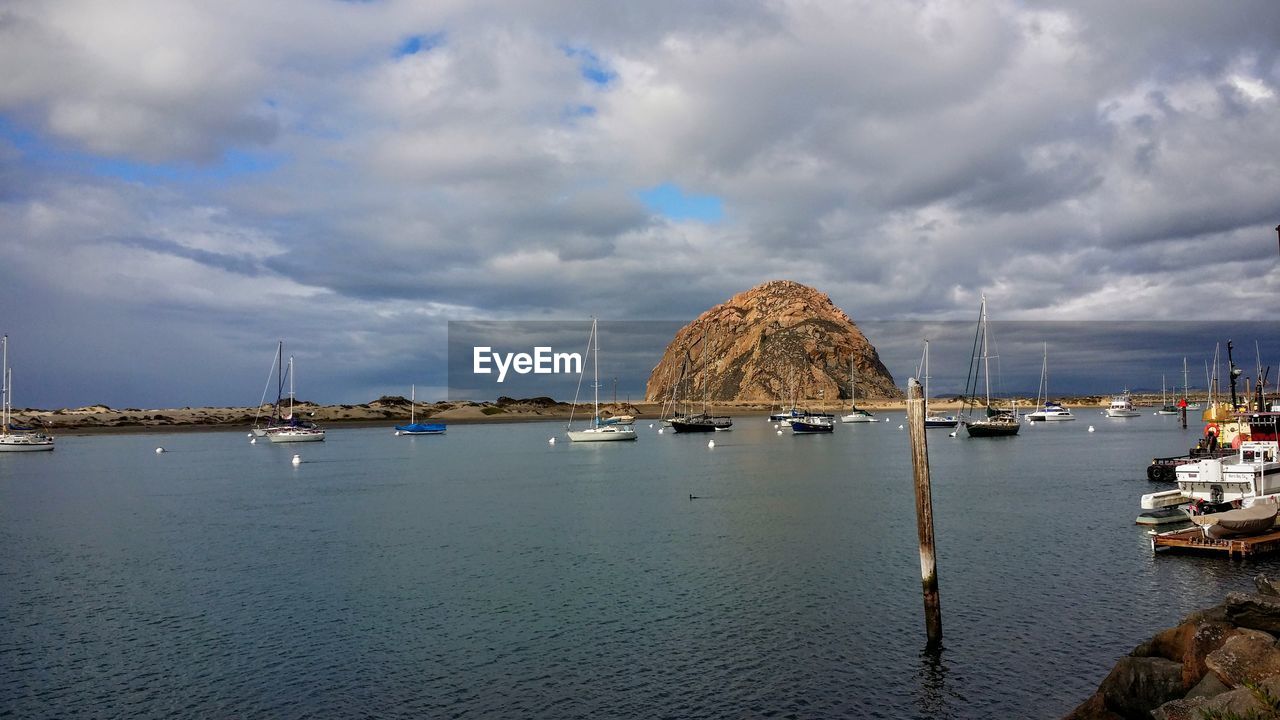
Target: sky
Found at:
x=183, y=184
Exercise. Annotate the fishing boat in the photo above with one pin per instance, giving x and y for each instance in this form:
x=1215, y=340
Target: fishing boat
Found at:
x=414, y=427
x=932, y=420
x=855, y=414
x=598, y=431
x=1166, y=407
x=14, y=438
x=1205, y=488
x=1050, y=411
x=993, y=422
x=1122, y=406
x=291, y=428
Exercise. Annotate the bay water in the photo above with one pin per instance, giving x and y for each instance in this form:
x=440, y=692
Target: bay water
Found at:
x=487, y=573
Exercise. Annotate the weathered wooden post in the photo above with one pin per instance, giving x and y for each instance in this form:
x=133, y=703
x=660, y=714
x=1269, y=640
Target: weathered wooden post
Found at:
x=924, y=513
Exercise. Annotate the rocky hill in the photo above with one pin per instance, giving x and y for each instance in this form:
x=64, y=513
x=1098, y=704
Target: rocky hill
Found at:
x=777, y=341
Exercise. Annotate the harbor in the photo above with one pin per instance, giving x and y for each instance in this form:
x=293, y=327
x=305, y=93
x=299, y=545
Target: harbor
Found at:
x=791, y=577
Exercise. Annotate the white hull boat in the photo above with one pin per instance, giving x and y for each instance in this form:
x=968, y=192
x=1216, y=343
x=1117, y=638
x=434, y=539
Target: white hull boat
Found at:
x=16, y=439
x=1122, y=407
x=599, y=431
x=292, y=435
x=1250, y=478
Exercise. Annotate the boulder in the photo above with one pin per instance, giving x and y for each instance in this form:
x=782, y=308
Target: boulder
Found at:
x=1260, y=612
x=1206, y=639
x=1188, y=709
x=1267, y=586
x=1138, y=685
x=1169, y=644
x=1209, y=686
x=1246, y=656
x=1241, y=703
x=779, y=340
x=1095, y=708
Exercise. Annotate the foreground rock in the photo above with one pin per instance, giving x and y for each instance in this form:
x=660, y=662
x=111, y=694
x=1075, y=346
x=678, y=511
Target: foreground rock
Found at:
x=779, y=340
x=1217, y=663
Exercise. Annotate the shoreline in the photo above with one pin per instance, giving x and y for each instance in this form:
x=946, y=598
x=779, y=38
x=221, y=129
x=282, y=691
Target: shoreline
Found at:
x=388, y=412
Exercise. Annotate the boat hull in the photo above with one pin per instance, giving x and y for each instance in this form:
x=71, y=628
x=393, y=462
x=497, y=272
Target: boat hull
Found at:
x=609, y=434
x=1122, y=413
x=939, y=422
x=990, y=429
x=421, y=429
x=857, y=418
x=290, y=436
x=9, y=444
x=701, y=425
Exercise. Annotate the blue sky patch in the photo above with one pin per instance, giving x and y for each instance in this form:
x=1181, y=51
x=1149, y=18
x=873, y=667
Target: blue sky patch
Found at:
x=415, y=44
x=670, y=201
x=590, y=66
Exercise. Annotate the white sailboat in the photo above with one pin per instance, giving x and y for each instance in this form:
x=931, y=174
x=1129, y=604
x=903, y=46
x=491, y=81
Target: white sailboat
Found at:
x=276, y=371
x=598, y=432
x=855, y=414
x=1166, y=407
x=294, y=430
x=16, y=439
x=1050, y=411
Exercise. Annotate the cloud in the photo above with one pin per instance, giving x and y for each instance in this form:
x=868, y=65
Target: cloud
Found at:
x=351, y=175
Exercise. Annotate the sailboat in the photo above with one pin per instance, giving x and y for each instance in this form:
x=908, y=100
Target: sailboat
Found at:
x=703, y=421
x=932, y=421
x=276, y=371
x=1186, y=397
x=1051, y=411
x=856, y=414
x=1166, y=407
x=12, y=437
x=598, y=432
x=414, y=427
x=292, y=429
x=994, y=422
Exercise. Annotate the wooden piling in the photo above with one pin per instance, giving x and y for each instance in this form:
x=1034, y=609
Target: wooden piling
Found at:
x=924, y=514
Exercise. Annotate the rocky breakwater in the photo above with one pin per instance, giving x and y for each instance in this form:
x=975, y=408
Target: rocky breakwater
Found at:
x=777, y=341
x=1219, y=663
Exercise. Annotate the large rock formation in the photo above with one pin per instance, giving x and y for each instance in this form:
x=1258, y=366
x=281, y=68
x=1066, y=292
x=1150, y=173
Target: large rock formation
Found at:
x=777, y=341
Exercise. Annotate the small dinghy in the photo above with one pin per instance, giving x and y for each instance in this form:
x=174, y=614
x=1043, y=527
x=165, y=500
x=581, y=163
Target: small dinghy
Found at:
x=1237, y=523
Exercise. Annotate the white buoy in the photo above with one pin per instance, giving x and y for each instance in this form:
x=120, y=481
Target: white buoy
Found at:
x=953, y=434
x=551, y=441
x=777, y=425
x=779, y=432
x=397, y=433
x=297, y=460
x=711, y=443
x=660, y=430
x=248, y=434
x=650, y=426
x=159, y=450
x=253, y=441
x=1090, y=428
x=900, y=427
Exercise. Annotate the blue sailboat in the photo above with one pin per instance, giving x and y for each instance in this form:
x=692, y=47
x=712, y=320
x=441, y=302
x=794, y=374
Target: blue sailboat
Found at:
x=414, y=427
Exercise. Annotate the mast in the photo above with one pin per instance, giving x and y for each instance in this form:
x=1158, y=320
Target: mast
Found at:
x=291, y=418
x=413, y=398
x=986, y=365
x=853, y=398
x=4, y=408
x=926, y=377
x=1184, y=378
x=1044, y=378
x=595, y=419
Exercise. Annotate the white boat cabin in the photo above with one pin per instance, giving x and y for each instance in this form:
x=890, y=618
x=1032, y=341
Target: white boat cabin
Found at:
x=1252, y=477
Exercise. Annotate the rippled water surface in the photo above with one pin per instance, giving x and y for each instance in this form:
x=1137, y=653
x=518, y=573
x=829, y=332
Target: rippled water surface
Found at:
x=487, y=573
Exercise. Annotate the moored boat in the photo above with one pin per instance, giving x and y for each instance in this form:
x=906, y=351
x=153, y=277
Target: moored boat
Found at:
x=855, y=414
x=597, y=432
x=995, y=422
x=291, y=428
x=812, y=423
x=414, y=427
x=1122, y=406
x=12, y=437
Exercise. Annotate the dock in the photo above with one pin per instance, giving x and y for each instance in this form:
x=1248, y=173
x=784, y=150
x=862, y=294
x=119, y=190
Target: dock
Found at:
x=1193, y=539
